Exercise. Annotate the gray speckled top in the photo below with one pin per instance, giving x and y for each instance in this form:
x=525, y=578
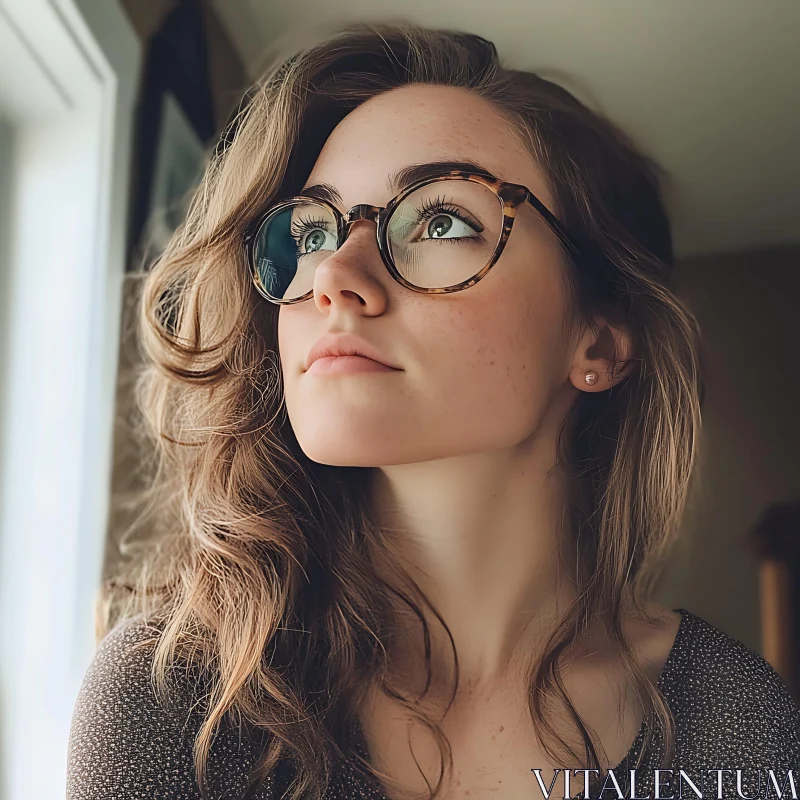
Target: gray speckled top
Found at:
x=732, y=711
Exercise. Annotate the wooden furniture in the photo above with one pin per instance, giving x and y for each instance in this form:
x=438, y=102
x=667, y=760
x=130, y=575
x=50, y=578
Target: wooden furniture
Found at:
x=776, y=540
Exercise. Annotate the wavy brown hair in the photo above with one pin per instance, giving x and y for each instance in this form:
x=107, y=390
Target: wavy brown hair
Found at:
x=254, y=561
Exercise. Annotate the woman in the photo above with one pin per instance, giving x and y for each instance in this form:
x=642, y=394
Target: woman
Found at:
x=430, y=576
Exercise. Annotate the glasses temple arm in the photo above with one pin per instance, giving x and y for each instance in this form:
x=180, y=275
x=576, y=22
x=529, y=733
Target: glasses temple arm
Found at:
x=556, y=225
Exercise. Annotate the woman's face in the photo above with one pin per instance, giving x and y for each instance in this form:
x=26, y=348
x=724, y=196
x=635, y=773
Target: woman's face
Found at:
x=478, y=369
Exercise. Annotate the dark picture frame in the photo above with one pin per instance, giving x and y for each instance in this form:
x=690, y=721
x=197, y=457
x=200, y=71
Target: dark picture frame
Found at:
x=175, y=125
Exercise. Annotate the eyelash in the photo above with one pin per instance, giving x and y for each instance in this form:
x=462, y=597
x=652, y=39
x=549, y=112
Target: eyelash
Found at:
x=306, y=225
x=430, y=209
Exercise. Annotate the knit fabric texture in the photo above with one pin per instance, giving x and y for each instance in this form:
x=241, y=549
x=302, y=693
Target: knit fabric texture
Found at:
x=731, y=709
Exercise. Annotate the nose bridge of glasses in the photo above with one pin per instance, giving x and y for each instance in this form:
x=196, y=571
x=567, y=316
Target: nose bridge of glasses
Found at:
x=362, y=211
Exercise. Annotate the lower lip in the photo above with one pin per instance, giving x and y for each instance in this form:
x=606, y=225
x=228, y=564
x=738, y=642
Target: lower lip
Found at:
x=343, y=365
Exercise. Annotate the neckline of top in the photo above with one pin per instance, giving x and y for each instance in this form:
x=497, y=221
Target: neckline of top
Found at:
x=667, y=671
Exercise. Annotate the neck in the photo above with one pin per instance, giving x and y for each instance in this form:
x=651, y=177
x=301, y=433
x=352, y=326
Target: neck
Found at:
x=480, y=534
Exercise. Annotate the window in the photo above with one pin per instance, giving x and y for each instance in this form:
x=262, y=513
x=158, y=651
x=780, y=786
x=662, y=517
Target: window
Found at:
x=67, y=75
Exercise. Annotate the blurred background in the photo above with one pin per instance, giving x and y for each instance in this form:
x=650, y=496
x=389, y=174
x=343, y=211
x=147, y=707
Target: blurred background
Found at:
x=108, y=109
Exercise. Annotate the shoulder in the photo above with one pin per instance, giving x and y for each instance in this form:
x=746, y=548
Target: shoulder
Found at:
x=125, y=745
x=122, y=743
x=728, y=701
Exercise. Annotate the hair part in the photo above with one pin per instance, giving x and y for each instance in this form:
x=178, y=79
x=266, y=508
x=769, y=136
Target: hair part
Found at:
x=253, y=561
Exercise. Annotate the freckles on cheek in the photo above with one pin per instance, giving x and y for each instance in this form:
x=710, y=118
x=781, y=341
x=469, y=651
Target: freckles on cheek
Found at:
x=497, y=353
x=495, y=342
x=517, y=348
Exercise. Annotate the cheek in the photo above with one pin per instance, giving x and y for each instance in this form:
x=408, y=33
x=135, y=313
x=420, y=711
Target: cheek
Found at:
x=290, y=338
x=499, y=361
x=283, y=331
x=518, y=323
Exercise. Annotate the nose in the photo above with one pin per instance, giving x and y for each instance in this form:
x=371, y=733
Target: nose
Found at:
x=345, y=276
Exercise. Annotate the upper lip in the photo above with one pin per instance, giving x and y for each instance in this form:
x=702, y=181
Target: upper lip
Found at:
x=343, y=344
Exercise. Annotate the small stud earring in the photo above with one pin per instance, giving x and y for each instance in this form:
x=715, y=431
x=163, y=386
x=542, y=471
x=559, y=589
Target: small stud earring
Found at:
x=591, y=377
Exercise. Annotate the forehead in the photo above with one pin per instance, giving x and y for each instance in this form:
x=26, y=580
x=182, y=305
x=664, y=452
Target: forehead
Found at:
x=417, y=124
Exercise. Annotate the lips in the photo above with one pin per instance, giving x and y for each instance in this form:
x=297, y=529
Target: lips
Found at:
x=347, y=365
x=332, y=345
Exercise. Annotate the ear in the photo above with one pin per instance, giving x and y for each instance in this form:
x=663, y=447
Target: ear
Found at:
x=606, y=351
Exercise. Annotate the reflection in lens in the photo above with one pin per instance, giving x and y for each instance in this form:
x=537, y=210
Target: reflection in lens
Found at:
x=439, y=236
x=289, y=246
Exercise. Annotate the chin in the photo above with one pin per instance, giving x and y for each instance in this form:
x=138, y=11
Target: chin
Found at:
x=337, y=452
x=362, y=439
x=330, y=433
x=363, y=450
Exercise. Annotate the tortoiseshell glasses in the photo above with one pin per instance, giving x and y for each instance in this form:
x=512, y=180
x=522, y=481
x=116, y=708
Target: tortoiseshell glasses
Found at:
x=440, y=234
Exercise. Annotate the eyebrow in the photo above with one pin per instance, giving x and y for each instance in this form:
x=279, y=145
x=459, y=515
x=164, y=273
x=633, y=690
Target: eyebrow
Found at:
x=401, y=179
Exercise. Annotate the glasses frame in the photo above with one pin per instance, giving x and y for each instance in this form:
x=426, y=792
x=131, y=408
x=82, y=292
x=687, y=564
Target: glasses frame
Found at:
x=511, y=196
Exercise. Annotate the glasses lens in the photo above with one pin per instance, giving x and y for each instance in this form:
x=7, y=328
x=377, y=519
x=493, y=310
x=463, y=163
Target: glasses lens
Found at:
x=445, y=232
x=288, y=247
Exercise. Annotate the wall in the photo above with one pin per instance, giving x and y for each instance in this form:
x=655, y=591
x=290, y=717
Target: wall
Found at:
x=747, y=306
